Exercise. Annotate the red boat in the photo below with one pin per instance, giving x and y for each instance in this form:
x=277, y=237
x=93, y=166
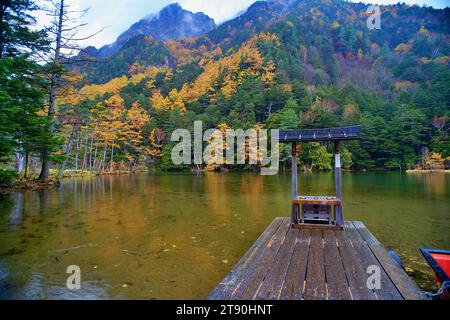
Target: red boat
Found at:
x=439, y=261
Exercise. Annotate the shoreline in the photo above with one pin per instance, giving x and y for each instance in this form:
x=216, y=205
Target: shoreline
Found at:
x=427, y=171
x=22, y=185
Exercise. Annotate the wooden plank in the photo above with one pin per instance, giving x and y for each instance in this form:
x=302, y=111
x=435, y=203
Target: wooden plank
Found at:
x=316, y=226
x=225, y=289
x=405, y=285
x=315, y=273
x=256, y=272
x=323, y=202
x=365, y=257
x=295, y=278
x=337, y=285
x=365, y=233
x=273, y=282
x=353, y=270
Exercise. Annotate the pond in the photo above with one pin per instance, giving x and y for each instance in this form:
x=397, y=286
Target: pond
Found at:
x=175, y=236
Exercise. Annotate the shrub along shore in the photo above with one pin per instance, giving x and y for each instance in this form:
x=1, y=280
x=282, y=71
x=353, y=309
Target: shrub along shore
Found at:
x=11, y=182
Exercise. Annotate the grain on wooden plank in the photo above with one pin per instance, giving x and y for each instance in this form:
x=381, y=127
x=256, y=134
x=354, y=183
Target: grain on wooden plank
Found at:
x=295, y=278
x=353, y=270
x=273, y=282
x=317, y=226
x=315, y=273
x=256, y=273
x=387, y=290
x=365, y=233
x=408, y=289
x=225, y=289
x=334, y=270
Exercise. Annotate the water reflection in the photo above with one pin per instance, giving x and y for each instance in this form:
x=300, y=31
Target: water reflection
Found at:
x=17, y=210
x=176, y=235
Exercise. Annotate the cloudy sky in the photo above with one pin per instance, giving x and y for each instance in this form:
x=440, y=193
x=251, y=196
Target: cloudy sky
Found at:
x=115, y=16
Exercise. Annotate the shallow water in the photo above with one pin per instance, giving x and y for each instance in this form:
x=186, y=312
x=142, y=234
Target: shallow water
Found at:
x=175, y=236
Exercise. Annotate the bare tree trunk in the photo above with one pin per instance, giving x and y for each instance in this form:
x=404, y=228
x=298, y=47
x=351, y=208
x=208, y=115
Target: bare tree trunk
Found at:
x=90, y=151
x=102, y=163
x=20, y=161
x=111, y=167
x=77, y=150
x=135, y=162
x=68, y=150
x=43, y=177
x=269, y=111
x=86, y=146
x=27, y=159
x=95, y=157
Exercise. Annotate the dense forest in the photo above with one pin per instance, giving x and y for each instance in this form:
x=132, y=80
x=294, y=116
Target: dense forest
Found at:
x=280, y=65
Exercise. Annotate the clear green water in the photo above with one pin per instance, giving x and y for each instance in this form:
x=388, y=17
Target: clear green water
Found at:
x=175, y=236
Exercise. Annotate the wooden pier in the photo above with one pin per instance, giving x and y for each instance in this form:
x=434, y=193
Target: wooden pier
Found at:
x=286, y=263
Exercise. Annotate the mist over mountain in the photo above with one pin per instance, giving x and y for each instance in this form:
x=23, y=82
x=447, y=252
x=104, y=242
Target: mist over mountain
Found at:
x=172, y=22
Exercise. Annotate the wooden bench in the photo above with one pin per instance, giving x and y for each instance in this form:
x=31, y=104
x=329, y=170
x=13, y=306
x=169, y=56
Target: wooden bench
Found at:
x=330, y=201
x=316, y=209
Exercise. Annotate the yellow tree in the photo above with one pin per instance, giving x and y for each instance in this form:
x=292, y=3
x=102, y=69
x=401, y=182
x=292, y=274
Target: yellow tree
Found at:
x=158, y=101
x=154, y=150
x=253, y=153
x=176, y=101
x=97, y=90
x=109, y=117
x=216, y=143
x=132, y=132
x=269, y=76
x=136, y=68
x=173, y=101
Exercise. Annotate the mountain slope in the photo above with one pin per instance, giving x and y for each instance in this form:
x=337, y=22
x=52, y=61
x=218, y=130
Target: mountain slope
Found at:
x=143, y=43
x=172, y=22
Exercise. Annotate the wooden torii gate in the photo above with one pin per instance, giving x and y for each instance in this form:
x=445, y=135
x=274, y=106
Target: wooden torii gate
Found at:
x=316, y=211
